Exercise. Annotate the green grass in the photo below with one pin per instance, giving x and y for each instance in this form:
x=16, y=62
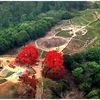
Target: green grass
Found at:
x=39, y=52
x=43, y=54
x=96, y=43
x=78, y=43
x=88, y=36
x=13, y=87
x=88, y=17
x=79, y=33
x=79, y=20
x=2, y=81
x=95, y=24
x=65, y=22
x=9, y=74
x=63, y=34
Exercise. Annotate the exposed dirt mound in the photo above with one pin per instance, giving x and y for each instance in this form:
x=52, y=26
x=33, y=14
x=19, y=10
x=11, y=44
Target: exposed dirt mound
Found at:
x=50, y=42
x=53, y=42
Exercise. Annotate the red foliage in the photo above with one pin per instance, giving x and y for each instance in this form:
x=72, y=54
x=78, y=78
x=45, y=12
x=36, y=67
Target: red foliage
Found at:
x=54, y=68
x=28, y=83
x=27, y=79
x=11, y=65
x=28, y=55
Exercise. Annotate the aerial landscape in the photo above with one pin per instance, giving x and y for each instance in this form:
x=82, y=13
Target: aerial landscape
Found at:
x=50, y=50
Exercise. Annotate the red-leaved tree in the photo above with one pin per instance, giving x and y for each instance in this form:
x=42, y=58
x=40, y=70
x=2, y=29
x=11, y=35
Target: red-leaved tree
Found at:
x=53, y=65
x=28, y=55
x=28, y=83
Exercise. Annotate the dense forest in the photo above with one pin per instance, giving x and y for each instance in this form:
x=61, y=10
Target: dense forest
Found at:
x=22, y=21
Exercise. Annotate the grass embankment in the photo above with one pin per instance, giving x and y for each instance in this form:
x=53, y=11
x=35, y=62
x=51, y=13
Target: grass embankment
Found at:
x=64, y=34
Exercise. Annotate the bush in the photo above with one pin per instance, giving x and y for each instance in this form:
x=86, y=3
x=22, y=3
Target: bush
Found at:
x=86, y=87
x=78, y=75
x=77, y=57
x=93, y=94
x=68, y=61
x=64, y=84
x=93, y=54
x=61, y=88
x=76, y=65
x=96, y=81
x=90, y=70
x=92, y=67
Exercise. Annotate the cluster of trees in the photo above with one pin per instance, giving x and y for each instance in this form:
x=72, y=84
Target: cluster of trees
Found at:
x=22, y=21
x=85, y=70
x=53, y=72
x=12, y=13
x=18, y=35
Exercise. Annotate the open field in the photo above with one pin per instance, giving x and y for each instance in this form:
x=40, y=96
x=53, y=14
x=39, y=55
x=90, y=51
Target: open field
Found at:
x=64, y=34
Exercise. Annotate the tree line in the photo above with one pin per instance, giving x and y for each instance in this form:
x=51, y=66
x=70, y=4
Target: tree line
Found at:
x=18, y=35
x=12, y=13
x=22, y=21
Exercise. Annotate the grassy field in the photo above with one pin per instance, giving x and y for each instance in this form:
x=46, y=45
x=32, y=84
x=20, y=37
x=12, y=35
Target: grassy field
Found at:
x=85, y=16
x=78, y=43
x=2, y=81
x=63, y=34
x=96, y=43
x=93, y=30
x=79, y=21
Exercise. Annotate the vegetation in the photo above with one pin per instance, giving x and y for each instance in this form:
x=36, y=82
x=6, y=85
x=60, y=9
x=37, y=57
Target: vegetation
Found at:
x=28, y=55
x=63, y=34
x=8, y=74
x=2, y=81
x=53, y=65
x=93, y=54
x=24, y=21
x=77, y=57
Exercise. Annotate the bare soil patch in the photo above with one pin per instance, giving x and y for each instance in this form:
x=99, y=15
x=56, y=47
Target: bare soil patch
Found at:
x=50, y=42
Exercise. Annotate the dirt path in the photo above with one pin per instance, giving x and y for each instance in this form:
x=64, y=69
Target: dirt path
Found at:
x=5, y=89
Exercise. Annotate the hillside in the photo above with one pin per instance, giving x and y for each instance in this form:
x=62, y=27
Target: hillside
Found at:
x=52, y=52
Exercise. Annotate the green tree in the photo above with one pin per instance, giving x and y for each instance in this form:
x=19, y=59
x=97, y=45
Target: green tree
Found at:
x=77, y=57
x=21, y=38
x=90, y=71
x=68, y=61
x=78, y=75
x=76, y=65
x=95, y=94
x=86, y=87
x=93, y=54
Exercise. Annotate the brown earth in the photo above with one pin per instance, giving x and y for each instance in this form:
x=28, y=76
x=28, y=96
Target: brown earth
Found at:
x=49, y=42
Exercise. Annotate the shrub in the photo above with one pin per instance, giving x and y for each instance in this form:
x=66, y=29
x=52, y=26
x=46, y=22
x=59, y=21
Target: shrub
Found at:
x=86, y=87
x=96, y=81
x=64, y=84
x=78, y=75
x=77, y=57
x=93, y=94
x=68, y=61
x=93, y=54
x=90, y=70
x=76, y=65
